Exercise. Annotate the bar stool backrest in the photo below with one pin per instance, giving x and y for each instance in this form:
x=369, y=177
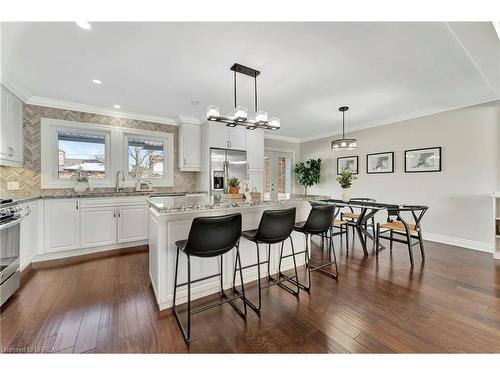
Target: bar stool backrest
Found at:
x=320, y=219
x=213, y=235
x=276, y=225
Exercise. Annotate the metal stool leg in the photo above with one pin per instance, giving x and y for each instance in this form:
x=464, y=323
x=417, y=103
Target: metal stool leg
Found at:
x=390, y=247
x=421, y=240
x=294, y=279
x=410, y=251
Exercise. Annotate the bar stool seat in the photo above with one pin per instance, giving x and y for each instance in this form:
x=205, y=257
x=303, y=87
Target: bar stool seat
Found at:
x=399, y=226
x=249, y=234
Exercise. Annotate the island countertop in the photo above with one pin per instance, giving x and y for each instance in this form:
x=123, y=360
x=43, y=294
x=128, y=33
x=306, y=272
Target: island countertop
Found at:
x=202, y=202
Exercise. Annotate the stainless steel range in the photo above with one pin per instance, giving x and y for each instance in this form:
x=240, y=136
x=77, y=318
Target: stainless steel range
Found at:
x=11, y=215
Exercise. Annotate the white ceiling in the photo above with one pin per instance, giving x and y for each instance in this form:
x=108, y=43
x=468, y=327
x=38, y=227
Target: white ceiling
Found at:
x=383, y=71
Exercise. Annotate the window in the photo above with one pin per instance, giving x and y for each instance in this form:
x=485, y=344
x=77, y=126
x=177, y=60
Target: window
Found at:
x=145, y=158
x=101, y=151
x=79, y=151
x=149, y=156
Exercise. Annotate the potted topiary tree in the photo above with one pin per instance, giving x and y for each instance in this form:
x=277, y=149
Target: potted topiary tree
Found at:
x=345, y=179
x=308, y=173
x=234, y=185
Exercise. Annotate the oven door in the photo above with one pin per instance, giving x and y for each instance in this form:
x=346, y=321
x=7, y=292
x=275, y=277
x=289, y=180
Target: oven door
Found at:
x=9, y=247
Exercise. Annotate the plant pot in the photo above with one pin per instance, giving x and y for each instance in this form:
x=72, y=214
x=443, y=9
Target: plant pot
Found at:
x=346, y=195
x=234, y=190
x=80, y=187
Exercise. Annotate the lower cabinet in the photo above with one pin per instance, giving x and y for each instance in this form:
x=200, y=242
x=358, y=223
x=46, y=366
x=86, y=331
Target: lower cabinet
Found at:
x=132, y=223
x=61, y=224
x=29, y=245
x=98, y=226
x=93, y=222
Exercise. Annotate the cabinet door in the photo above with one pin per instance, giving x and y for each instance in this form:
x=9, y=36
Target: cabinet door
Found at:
x=218, y=136
x=62, y=224
x=236, y=138
x=256, y=180
x=255, y=150
x=17, y=130
x=11, y=142
x=98, y=226
x=132, y=223
x=29, y=238
x=5, y=124
x=190, y=147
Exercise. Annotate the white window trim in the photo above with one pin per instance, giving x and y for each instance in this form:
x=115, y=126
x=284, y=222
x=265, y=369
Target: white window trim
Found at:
x=50, y=152
x=116, y=157
x=168, y=156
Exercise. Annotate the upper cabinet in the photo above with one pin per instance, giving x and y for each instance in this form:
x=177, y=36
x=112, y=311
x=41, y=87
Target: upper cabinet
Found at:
x=222, y=136
x=11, y=127
x=255, y=150
x=189, y=149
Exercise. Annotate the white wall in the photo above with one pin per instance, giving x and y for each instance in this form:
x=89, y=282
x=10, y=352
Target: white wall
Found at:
x=458, y=197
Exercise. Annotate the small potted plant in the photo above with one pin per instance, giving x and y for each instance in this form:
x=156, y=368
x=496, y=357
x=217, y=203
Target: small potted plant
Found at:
x=308, y=173
x=82, y=181
x=345, y=179
x=234, y=185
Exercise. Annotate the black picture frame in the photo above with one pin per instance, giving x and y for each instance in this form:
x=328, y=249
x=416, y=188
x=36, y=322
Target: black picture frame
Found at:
x=438, y=148
x=348, y=157
x=391, y=153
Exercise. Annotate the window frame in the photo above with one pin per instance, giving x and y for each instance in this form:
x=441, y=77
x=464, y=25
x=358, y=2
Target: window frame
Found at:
x=116, y=153
x=168, y=156
x=50, y=129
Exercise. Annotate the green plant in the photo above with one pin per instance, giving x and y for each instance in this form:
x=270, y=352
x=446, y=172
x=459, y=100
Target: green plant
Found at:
x=80, y=175
x=234, y=182
x=308, y=173
x=345, y=179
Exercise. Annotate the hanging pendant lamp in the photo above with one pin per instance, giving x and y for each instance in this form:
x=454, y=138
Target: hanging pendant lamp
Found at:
x=344, y=143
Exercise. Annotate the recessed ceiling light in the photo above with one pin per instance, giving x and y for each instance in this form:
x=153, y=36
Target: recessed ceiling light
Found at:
x=117, y=106
x=97, y=81
x=84, y=25
x=195, y=102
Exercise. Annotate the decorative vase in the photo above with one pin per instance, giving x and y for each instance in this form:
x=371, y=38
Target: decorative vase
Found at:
x=234, y=189
x=345, y=195
x=80, y=187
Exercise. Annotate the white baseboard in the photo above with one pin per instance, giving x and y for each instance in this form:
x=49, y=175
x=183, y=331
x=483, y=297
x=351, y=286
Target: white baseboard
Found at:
x=77, y=252
x=461, y=242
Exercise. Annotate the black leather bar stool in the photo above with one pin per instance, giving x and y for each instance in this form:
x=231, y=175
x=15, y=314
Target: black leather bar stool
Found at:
x=209, y=237
x=275, y=227
x=319, y=223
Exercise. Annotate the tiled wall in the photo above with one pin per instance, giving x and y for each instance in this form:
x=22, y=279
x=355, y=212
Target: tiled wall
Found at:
x=29, y=175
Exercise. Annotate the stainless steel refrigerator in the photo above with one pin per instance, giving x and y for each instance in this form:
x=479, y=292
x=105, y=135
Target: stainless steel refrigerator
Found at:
x=225, y=164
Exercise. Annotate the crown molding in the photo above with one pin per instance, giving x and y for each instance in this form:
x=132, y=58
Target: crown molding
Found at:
x=396, y=119
x=53, y=103
x=282, y=138
x=181, y=119
x=13, y=86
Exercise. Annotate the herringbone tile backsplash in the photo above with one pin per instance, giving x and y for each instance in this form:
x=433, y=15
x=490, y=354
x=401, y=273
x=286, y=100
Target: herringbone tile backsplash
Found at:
x=29, y=175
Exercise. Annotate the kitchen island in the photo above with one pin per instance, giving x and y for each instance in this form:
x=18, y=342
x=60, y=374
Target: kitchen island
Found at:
x=170, y=220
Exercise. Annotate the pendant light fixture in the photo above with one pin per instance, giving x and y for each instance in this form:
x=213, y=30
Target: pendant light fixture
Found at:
x=240, y=115
x=344, y=143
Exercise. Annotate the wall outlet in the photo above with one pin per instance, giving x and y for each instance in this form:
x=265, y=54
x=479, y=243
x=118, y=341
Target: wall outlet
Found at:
x=13, y=185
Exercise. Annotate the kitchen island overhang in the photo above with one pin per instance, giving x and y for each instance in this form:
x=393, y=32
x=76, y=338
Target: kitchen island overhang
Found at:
x=170, y=220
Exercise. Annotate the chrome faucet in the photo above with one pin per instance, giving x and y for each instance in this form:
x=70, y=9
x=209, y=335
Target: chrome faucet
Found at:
x=118, y=187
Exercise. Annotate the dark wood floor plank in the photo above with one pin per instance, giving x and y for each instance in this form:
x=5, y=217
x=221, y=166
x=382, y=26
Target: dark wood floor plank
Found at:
x=449, y=303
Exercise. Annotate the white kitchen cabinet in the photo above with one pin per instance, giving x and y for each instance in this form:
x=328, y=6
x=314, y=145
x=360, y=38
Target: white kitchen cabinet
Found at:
x=11, y=128
x=132, y=223
x=255, y=150
x=98, y=226
x=61, y=224
x=222, y=136
x=256, y=180
x=236, y=137
x=30, y=233
x=189, y=150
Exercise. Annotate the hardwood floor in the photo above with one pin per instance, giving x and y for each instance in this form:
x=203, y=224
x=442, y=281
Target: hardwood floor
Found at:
x=450, y=303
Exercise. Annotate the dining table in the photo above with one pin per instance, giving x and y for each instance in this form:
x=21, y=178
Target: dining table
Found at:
x=367, y=212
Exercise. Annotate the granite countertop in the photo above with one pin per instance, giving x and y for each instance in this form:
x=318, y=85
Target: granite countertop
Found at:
x=110, y=194
x=201, y=202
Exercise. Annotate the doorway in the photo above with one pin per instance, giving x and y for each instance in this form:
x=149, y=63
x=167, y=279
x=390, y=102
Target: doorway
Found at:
x=278, y=181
